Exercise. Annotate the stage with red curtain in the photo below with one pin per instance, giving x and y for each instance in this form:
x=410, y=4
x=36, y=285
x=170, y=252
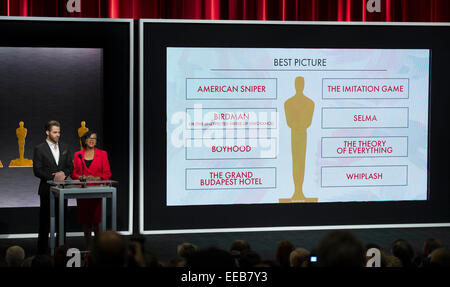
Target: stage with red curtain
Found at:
x=283, y=10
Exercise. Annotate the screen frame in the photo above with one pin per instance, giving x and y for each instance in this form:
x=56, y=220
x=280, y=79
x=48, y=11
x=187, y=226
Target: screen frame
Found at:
x=129, y=228
x=142, y=229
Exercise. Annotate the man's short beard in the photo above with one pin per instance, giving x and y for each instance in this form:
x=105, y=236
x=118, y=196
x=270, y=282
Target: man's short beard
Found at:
x=53, y=139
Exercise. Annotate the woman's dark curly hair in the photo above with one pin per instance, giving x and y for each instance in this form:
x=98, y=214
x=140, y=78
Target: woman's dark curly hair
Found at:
x=86, y=136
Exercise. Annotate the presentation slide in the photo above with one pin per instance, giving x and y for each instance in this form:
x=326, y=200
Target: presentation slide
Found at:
x=279, y=125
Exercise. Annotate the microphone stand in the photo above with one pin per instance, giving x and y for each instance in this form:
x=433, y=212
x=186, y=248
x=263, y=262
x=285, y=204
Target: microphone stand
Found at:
x=83, y=179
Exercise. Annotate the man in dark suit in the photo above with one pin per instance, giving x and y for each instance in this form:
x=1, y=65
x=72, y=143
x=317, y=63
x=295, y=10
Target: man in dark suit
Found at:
x=52, y=160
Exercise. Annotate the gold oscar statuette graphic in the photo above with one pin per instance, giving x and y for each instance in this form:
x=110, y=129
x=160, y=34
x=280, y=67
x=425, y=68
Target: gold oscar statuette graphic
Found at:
x=81, y=131
x=299, y=112
x=21, y=134
x=1, y=165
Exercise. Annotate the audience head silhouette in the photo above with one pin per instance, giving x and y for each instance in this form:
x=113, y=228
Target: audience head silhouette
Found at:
x=440, y=257
x=284, y=249
x=186, y=249
x=299, y=258
x=212, y=257
x=239, y=247
x=109, y=250
x=15, y=255
x=403, y=251
x=340, y=249
x=430, y=245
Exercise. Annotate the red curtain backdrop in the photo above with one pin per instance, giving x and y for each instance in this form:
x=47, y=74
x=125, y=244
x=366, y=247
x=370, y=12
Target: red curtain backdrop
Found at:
x=284, y=10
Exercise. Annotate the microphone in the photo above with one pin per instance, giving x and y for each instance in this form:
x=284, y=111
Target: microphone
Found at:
x=82, y=179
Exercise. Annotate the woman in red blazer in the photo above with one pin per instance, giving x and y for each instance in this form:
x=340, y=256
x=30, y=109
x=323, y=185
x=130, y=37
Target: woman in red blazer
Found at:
x=90, y=164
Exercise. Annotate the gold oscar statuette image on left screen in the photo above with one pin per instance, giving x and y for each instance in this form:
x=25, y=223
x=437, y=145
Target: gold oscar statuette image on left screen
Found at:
x=81, y=131
x=21, y=134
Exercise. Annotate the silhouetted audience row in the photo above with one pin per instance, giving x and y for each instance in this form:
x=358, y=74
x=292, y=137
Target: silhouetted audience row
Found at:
x=335, y=249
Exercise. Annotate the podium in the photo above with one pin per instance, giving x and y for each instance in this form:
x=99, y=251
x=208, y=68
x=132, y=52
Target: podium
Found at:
x=80, y=189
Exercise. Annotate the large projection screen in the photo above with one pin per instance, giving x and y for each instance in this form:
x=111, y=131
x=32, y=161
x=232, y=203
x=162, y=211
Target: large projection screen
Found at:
x=73, y=71
x=283, y=126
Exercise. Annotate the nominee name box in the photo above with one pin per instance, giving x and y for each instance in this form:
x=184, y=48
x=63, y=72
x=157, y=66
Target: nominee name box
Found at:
x=230, y=178
x=231, y=118
x=230, y=148
x=360, y=176
x=231, y=88
x=374, y=88
x=363, y=147
x=367, y=117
